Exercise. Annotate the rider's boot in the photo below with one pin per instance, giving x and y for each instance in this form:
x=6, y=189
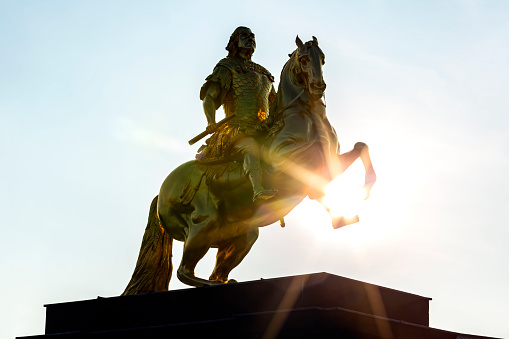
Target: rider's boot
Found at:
x=253, y=170
x=259, y=192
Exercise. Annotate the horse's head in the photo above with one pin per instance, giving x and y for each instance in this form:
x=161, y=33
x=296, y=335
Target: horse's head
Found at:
x=308, y=60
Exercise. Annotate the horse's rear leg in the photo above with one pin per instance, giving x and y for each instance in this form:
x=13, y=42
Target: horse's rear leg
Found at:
x=231, y=254
x=196, y=246
x=191, y=256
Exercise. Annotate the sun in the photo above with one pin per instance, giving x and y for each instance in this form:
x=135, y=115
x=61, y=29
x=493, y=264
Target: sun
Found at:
x=343, y=198
x=345, y=195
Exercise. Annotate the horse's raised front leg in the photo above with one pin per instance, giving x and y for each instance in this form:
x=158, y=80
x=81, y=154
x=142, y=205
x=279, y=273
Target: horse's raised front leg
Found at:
x=360, y=150
x=370, y=175
x=231, y=254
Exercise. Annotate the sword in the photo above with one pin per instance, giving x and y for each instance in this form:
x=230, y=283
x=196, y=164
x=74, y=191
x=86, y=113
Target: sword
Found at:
x=205, y=133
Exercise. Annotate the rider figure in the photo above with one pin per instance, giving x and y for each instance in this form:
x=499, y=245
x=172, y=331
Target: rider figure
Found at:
x=245, y=89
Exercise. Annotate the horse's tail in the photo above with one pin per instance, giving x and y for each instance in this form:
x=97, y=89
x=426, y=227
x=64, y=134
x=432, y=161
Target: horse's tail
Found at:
x=153, y=268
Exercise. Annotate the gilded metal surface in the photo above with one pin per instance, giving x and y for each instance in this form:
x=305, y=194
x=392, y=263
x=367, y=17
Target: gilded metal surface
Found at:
x=247, y=91
x=210, y=204
x=249, y=95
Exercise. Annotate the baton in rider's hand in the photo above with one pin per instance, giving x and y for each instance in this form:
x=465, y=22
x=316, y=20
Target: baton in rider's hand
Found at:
x=211, y=129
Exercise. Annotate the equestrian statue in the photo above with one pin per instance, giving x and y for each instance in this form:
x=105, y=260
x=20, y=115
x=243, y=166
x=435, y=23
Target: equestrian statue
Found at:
x=270, y=151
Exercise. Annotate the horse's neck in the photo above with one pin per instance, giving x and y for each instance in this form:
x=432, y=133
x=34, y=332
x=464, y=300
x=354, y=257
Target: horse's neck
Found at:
x=289, y=94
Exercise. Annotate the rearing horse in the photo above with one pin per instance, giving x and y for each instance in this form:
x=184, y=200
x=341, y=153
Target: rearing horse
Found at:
x=210, y=206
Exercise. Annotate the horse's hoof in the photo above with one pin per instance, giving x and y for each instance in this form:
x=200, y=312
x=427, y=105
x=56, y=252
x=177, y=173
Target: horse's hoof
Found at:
x=231, y=281
x=341, y=221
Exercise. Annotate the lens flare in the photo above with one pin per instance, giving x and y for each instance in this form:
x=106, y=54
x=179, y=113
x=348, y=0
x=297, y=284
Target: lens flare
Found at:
x=343, y=198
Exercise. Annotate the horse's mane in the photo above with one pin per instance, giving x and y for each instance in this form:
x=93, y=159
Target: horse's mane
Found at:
x=289, y=72
x=289, y=68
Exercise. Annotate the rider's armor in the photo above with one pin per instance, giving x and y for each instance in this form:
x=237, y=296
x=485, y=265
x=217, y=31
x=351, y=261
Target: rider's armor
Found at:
x=247, y=91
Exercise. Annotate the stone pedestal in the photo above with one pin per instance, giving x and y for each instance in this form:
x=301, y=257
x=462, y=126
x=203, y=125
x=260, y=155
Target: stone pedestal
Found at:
x=317, y=305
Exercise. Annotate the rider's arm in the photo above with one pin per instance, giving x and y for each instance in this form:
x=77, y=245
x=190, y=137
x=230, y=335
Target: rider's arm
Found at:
x=209, y=105
x=212, y=93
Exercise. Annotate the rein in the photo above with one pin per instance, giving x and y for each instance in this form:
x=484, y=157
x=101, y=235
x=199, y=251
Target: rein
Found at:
x=289, y=104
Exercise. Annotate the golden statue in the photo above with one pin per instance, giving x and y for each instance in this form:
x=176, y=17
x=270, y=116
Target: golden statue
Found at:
x=269, y=153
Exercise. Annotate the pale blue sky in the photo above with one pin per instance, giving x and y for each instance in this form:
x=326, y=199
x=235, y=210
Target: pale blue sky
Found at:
x=99, y=98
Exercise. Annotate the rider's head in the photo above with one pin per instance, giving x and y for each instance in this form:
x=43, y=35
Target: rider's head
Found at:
x=241, y=39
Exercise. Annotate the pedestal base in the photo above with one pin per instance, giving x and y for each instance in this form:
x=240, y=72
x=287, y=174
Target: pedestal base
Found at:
x=317, y=305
